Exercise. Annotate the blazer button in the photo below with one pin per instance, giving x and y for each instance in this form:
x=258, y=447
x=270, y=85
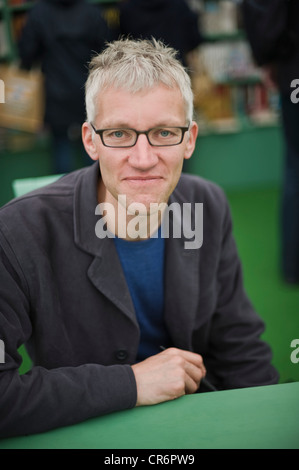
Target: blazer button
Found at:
x=121, y=355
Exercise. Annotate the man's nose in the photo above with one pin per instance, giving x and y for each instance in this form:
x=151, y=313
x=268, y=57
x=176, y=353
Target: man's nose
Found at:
x=143, y=154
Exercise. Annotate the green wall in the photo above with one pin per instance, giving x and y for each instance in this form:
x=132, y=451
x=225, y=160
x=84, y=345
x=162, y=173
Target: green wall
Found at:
x=16, y=164
x=34, y=161
x=250, y=158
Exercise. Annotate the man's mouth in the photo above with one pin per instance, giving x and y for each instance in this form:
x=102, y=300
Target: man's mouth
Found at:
x=143, y=179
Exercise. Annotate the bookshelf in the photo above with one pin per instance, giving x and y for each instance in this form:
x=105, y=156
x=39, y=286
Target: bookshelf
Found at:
x=240, y=144
x=239, y=97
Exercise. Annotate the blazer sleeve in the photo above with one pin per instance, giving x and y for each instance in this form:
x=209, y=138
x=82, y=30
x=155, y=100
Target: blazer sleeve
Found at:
x=238, y=356
x=44, y=399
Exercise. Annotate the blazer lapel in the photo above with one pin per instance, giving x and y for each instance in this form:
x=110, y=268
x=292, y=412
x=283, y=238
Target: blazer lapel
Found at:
x=182, y=281
x=106, y=274
x=105, y=271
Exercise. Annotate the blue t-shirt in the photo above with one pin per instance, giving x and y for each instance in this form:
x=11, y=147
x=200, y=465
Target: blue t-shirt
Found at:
x=143, y=265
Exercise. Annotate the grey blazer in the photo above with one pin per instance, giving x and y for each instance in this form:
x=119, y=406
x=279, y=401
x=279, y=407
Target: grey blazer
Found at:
x=64, y=295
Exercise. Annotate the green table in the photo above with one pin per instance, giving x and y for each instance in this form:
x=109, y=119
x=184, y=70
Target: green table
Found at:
x=260, y=417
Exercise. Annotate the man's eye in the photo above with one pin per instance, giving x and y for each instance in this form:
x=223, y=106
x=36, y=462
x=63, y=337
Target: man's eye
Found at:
x=118, y=134
x=161, y=133
x=165, y=133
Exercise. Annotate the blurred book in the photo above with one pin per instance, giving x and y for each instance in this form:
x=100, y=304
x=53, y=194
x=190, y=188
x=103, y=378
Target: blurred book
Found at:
x=229, y=60
x=4, y=46
x=239, y=95
x=219, y=17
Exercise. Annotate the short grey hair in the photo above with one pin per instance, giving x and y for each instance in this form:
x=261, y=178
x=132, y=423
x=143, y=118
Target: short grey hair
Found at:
x=135, y=65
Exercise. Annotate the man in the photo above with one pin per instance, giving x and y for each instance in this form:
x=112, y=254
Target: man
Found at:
x=95, y=303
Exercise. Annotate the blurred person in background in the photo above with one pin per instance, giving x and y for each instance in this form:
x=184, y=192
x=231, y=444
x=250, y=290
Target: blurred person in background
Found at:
x=171, y=21
x=61, y=35
x=272, y=28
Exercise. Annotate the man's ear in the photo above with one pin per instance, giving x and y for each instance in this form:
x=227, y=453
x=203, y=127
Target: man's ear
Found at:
x=190, y=146
x=87, y=138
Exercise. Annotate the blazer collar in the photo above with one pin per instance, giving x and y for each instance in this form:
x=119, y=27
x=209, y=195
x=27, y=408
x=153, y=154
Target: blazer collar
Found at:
x=85, y=202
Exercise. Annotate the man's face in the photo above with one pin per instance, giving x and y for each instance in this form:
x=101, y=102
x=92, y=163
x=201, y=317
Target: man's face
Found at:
x=143, y=173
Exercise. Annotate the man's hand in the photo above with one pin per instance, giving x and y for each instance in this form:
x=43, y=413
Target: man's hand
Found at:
x=168, y=375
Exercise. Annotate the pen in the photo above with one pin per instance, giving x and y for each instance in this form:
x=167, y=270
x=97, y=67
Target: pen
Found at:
x=204, y=381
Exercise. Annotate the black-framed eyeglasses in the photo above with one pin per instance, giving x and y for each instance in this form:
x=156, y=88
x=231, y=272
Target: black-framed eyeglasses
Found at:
x=126, y=137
